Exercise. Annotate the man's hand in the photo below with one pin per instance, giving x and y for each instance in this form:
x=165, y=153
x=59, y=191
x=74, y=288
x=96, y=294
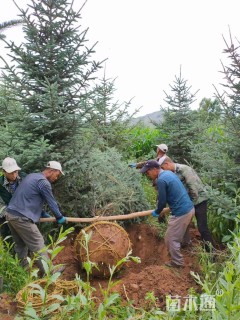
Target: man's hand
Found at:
x=155, y=214
x=62, y=220
x=132, y=165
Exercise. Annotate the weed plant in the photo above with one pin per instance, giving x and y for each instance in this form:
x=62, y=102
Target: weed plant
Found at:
x=13, y=276
x=160, y=227
x=222, y=282
x=51, y=275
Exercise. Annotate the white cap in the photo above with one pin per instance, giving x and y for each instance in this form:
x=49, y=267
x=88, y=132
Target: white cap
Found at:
x=10, y=165
x=162, y=147
x=55, y=165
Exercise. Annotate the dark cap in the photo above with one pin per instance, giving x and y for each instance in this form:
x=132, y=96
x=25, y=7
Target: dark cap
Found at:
x=149, y=165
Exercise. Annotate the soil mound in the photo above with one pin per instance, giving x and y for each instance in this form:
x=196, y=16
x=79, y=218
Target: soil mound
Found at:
x=151, y=275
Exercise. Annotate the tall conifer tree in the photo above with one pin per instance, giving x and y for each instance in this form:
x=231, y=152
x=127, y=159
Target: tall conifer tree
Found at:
x=178, y=119
x=109, y=118
x=230, y=99
x=51, y=71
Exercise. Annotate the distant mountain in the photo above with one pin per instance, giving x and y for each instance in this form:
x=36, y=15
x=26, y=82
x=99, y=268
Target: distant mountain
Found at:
x=147, y=119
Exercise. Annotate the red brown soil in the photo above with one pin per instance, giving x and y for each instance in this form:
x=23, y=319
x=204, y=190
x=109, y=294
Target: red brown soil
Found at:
x=151, y=275
x=8, y=307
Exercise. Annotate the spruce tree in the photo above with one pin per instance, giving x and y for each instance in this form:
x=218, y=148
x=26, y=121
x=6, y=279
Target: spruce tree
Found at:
x=109, y=119
x=177, y=126
x=15, y=141
x=8, y=24
x=51, y=71
x=230, y=99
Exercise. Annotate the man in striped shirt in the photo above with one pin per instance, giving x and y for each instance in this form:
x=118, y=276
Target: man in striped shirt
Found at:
x=26, y=208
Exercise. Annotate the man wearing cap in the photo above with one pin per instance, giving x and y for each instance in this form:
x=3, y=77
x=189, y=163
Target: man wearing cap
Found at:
x=9, y=181
x=172, y=192
x=25, y=209
x=162, y=149
x=196, y=191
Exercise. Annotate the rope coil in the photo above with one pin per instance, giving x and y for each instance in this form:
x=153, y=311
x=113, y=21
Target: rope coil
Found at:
x=32, y=295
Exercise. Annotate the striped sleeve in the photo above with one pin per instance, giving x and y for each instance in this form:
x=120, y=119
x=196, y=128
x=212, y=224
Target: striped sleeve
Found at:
x=46, y=192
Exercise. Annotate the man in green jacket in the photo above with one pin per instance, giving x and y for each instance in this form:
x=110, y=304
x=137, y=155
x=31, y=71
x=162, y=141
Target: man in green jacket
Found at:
x=196, y=191
x=10, y=178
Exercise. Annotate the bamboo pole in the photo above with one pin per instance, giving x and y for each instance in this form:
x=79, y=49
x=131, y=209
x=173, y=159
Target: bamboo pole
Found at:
x=107, y=218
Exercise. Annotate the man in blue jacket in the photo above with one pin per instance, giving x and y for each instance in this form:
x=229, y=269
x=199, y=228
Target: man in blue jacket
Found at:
x=26, y=208
x=172, y=192
x=197, y=194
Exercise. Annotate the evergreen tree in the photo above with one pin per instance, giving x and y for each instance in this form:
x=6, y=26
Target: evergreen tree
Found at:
x=178, y=120
x=209, y=136
x=52, y=71
x=109, y=119
x=15, y=141
x=8, y=24
x=106, y=186
x=60, y=111
x=230, y=100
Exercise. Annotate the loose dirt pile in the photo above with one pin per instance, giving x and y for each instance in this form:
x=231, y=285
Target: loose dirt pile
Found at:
x=151, y=275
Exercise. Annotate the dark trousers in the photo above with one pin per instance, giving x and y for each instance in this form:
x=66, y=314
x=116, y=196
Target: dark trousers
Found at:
x=201, y=216
x=27, y=236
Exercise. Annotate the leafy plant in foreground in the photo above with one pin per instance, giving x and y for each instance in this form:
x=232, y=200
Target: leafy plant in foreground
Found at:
x=13, y=276
x=41, y=289
x=225, y=288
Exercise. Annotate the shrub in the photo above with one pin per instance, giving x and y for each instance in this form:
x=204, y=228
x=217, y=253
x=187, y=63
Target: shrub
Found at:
x=13, y=275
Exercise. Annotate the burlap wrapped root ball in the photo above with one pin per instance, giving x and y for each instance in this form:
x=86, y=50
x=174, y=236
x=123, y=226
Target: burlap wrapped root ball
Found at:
x=109, y=243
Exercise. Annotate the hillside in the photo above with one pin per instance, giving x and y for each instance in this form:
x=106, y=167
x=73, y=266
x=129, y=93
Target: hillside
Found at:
x=148, y=119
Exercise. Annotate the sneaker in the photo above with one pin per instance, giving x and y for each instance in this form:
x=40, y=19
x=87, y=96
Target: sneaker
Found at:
x=173, y=265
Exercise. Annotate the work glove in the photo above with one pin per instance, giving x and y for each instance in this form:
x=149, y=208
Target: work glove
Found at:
x=45, y=215
x=155, y=214
x=61, y=220
x=132, y=165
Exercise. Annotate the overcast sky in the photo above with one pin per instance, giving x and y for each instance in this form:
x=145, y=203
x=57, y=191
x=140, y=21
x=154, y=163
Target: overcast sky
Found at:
x=146, y=41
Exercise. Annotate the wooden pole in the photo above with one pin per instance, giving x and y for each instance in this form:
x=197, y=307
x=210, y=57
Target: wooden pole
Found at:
x=107, y=218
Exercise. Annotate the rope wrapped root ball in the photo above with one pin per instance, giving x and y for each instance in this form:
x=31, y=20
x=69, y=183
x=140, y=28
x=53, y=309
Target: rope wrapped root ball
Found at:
x=108, y=244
